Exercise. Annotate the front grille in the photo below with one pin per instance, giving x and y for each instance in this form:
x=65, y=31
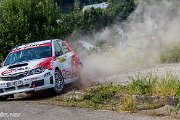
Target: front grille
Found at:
x=14, y=88
x=15, y=76
x=9, y=89
x=38, y=83
x=23, y=86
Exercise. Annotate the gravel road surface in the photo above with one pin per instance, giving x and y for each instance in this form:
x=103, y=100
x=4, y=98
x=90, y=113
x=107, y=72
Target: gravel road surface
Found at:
x=34, y=111
x=31, y=109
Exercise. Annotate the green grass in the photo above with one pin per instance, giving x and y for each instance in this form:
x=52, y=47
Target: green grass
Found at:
x=153, y=85
x=141, y=85
x=171, y=54
x=129, y=104
x=121, y=97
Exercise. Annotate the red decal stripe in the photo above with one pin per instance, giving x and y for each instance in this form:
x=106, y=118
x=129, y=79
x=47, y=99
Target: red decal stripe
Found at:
x=47, y=63
x=31, y=46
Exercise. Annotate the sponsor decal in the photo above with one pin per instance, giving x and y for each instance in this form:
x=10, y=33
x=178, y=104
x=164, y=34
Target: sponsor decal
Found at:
x=47, y=74
x=13, y=70
x=66, y=74
x=61, y=59
x=7, y=72
x=25, y=47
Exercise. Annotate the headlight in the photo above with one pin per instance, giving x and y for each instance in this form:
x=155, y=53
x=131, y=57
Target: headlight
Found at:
x=36, y=71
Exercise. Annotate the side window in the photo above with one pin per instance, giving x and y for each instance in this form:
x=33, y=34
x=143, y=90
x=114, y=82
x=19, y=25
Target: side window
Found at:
x=57, y=48
x=64, y=47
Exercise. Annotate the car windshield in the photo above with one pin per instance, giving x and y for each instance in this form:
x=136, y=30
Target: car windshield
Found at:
x=28, y=54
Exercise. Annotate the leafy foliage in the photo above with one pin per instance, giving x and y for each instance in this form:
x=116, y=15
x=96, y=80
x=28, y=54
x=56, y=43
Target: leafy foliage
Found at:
x=27, y=21
x=24, y=21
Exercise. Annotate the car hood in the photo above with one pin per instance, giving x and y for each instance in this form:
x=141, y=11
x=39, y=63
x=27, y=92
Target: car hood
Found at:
x=19, y=67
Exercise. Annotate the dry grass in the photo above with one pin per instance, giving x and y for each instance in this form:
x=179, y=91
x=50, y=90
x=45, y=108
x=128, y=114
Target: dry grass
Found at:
x=121, y=97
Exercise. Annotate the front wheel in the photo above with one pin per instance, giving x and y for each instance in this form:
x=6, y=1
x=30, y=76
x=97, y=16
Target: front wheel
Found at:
x=59, y=82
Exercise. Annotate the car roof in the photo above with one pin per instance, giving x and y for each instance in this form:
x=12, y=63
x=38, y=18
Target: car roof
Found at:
x=35, y=43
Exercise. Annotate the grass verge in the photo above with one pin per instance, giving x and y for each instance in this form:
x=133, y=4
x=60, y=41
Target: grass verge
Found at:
x=142, y=93
x=171, y=54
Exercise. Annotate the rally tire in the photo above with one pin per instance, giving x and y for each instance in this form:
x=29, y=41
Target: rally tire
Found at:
x=59, y=82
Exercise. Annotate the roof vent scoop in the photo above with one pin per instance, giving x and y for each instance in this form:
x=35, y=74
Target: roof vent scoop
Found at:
x=17, y=65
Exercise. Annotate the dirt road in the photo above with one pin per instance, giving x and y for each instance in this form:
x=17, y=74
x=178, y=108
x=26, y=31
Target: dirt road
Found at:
x=31, y=109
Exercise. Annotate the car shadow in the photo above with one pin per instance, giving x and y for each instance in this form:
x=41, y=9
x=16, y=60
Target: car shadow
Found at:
x=41, y=95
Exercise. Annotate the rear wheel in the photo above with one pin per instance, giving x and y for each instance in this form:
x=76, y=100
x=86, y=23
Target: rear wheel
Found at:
x=59, y=82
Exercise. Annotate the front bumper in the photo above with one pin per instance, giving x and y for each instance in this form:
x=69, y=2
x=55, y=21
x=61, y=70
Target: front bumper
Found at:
x=31, y=83
x=25, y=90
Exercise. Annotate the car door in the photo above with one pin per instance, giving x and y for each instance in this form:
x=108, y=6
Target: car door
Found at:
x=75, y=61
x=65, y=62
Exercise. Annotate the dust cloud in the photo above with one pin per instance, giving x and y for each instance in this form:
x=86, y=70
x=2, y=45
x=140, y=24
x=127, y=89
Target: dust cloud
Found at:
x=135, y=43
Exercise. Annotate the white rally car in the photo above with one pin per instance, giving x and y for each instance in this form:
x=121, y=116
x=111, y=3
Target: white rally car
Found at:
x=37, y=66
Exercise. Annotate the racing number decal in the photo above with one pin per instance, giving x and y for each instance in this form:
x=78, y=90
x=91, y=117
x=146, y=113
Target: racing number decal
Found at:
x=66, y=73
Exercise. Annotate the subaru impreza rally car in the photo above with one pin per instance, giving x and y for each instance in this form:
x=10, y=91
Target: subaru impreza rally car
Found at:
x=37, y=66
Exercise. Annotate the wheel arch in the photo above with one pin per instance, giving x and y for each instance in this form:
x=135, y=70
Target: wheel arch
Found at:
x=57, y=68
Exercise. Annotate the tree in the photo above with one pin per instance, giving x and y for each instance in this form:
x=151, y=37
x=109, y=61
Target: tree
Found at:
x=77, y=5
x=110, y=1
x=24, y=21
